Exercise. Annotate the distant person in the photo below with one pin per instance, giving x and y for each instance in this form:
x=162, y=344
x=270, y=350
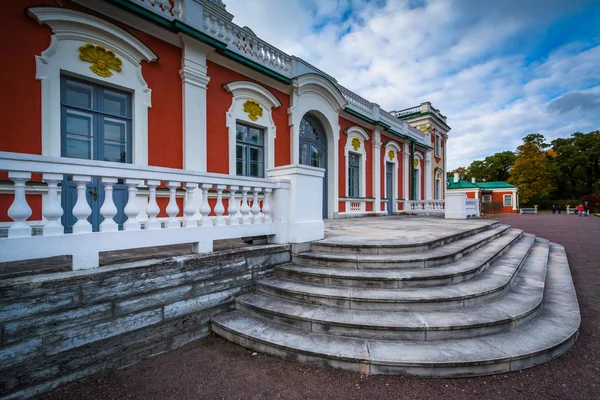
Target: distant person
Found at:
x=553, y=209
x=586, y=209
x=559, y=209
x=580, y=209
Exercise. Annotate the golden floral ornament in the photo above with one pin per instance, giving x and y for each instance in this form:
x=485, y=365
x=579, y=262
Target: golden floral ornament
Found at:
x=438, y=175
x=102, y=60
x=424, y=128
x=416, y=162
x=355, y=143
x=391, y=155
x=253, y=109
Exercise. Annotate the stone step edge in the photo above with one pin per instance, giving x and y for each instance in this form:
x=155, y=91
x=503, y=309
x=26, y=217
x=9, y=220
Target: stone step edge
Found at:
x=389, y=259
x=262, y=284
x=296, y=268
x=418, y=246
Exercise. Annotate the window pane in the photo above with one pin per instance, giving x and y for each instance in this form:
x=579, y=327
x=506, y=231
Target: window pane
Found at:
x=255, y=136
x=115, y=103
x=115, y=152
x=240, y=132
x=240, y=167
x=304, y=154
x=78, y=94
x=256, y=154
x=79, y=147
x=256, y=169
x=115, y=130
x=79, y=123
x=316, y=157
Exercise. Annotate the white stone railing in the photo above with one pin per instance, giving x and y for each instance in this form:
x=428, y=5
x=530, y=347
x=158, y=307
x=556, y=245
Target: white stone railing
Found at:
x=357, y=102
x=356, y=205
x=424, y=206
x=252, y=217
x=406, y=111
x=169, y=9
x=472, y=207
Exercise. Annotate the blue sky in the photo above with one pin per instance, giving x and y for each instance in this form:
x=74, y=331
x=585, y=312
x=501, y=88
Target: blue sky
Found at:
x=498, y=70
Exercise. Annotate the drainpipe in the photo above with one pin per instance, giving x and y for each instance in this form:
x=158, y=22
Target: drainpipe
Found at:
x=412, y=171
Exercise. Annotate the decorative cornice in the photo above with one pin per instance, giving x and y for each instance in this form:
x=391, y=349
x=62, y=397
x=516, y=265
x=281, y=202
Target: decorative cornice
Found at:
x=194, y=77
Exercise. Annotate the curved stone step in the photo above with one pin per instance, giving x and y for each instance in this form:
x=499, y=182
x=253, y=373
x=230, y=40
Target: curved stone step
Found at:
x=544, y=338
x=438, y=256
x=348, y=245
x=464, y=269
x=494, y=282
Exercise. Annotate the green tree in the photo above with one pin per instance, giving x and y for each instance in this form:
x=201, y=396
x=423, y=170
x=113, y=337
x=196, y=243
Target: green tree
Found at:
x=461, y=170
x=493, y=168
x=530, y=171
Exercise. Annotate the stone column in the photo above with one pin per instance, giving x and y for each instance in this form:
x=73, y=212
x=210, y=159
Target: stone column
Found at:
x=194, y=81
x=377, y=169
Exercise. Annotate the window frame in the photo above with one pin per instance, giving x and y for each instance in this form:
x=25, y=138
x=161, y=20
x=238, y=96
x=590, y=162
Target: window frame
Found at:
x=504, y=200
x=438, y=145
x=354, y=171
x=248, y=146
x=483, y=198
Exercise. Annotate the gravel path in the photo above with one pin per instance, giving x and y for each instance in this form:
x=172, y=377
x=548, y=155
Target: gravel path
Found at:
x=216, y=369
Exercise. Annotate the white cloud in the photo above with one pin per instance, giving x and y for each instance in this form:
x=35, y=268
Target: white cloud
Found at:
x=473, y=60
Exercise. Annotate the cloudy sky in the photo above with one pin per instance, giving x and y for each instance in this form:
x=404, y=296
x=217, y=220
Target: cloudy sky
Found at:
x=497, y=69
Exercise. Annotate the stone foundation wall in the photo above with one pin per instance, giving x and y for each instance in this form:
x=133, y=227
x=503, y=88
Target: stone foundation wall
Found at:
x=61, y=327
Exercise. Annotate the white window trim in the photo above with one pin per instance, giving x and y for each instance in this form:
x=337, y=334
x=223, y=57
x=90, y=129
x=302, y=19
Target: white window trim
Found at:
x=386, y=159
x=243, y=91
x=483, y=197
x=418, y=173
x=438, y=145
x=360, y=134
x=72, y=29
x=436, y=179
x=504, y=200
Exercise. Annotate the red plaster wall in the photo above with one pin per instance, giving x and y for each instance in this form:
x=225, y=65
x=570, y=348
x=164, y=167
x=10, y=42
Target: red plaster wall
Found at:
x=499, y=196
x=470, y=195
x=345, y=124
x=219, y=101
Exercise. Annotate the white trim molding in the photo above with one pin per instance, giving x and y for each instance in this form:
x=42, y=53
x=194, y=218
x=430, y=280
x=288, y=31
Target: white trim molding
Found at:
x=418, y=174
x=354, y=134
x=314, y=94
x=243, y=91
x=71, y=30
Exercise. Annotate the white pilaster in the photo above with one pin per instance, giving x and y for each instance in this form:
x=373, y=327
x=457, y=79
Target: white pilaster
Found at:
x=194, y=80
x=376, y=162
x=444, y=138
x=405, y=171
x=428, y=175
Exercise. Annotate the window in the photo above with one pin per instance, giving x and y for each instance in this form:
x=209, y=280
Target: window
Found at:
x=438, y=145
x=437, y=189
x=353, y=175
x=95, y=122
x=249, y=151
x=487, y=198
x=507, y=200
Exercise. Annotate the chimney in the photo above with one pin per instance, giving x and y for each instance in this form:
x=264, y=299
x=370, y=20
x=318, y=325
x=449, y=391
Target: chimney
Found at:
x=473, y=180
x=456, y=177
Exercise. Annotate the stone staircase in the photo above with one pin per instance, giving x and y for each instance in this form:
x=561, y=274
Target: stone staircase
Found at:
x=484, y=301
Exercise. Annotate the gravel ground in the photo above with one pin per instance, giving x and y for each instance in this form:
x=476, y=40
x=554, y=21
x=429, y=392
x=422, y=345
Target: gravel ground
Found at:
x=216, y=369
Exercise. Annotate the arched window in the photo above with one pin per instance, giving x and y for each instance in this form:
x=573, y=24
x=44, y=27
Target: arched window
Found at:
x=313, y=142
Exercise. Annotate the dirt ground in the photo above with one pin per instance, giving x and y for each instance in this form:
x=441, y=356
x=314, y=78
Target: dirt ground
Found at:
x=216, y=369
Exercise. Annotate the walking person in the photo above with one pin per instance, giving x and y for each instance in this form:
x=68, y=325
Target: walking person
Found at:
x=559, y=209
x=553, y=208
x=586, y=209
x=580, y=209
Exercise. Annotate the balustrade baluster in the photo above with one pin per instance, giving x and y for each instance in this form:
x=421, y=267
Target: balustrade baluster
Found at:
x=266, y=208
x=82, y=209
x=132, y=210
x=19, y=210
x=205, y=207
x=219, y=208
x=245, y=209
x=152, y=208
x=232, y=210
x=52, y=210
x=256, y=218
x=108, y=209
x=172, y=207
x=189, y=208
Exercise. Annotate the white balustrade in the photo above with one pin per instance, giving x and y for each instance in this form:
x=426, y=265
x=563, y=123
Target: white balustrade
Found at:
x=152, y=208
x=472, y=207
x=232, y=210
x=169, y=9
x=357, y=102
x=189, y=208
x=51, y=210
x=245, y=208
x=85, y=245
x=172, y=207
x=131, y=209
x=424, y=206
x=256, y=218
x=109, y=209
x=219, y=208
x=82, y=209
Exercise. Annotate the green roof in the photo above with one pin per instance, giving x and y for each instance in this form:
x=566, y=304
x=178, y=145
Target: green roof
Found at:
x=462, y=184
x=495, y=185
